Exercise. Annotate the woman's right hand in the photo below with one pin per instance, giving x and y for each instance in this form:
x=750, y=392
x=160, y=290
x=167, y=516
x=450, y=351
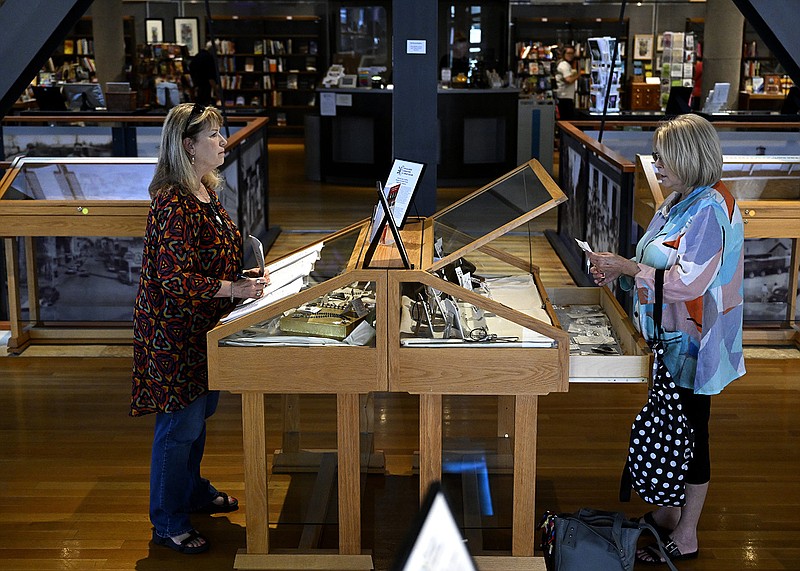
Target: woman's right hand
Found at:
x=606, y=267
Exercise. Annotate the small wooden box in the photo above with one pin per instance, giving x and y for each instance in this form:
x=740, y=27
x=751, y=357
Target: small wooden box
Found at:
x=121, y=100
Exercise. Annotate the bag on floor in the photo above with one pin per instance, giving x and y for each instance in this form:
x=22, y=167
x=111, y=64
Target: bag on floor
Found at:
x=661, y=441
x=593, y=540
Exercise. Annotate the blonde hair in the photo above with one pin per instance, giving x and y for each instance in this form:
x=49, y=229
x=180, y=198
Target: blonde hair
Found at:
x=174, y=168
x=689, y=146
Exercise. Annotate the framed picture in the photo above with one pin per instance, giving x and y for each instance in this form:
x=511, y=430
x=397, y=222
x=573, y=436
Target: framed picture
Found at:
x=154, y=30
x=186, y=32
x=642, y=46
x=660, y=42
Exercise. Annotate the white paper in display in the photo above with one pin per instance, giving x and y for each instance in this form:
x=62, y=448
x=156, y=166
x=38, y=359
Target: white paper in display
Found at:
x=399, y=191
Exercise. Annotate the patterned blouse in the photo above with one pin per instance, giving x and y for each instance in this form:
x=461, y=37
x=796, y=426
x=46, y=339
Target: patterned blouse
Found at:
x=189, y=247
x=699, y=242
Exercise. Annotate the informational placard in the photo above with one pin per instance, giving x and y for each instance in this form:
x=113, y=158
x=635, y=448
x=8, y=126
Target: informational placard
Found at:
x=435, y=542
x=399, y=190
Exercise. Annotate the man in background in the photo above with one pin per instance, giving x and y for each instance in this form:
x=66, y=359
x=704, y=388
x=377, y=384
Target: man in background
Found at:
x=203, y=71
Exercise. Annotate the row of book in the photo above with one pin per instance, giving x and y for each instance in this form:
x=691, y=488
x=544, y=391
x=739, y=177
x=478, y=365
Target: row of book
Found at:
x=287, y=47
x=534, y=50
x=291, y=82
x=81, y=46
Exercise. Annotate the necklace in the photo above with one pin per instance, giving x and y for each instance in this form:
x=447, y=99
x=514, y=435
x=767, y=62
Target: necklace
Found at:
x=215, y=212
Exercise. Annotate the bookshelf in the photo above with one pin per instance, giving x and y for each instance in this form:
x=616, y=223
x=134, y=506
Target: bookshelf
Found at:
x=73, y=60
x=272, y=63
x=157, y=62
x=535, y=68
x=558, y=32
x=760, y=63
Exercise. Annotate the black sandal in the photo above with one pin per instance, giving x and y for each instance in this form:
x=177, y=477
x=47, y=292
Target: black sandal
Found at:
x=228, y=505
x=651, y=555
x=662, y=531
x=183, y=546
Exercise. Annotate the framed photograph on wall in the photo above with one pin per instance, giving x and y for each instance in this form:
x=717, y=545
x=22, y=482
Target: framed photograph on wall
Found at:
x=660, y=43
x=642, y=46
x=186, y=32
x=154, y=30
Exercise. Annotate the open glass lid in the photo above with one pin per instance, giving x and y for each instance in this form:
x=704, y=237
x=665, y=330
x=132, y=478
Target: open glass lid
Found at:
x=762, y=177
x=482, y=288
x=329, y=307
x=493, y=211
x=78, y=178
x=747, y=177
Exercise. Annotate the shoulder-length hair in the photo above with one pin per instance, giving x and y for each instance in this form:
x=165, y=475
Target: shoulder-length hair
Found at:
x=174, y=168
x=689, y=146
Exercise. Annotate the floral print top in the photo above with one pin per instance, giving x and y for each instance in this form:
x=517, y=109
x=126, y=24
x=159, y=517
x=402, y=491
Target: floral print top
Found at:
x=189, y=247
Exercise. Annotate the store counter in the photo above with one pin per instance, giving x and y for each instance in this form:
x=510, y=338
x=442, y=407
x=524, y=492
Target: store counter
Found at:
x=477, y=135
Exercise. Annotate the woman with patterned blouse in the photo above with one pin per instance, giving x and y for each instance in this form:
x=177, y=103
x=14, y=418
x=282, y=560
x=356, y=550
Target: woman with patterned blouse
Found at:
x=191, y=276
x=697, y=236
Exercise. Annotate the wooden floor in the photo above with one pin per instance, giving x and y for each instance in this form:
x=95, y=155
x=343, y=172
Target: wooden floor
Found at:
x=74, y=467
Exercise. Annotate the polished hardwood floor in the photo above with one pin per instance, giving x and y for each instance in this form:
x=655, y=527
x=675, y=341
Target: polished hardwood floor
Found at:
x=74, y=467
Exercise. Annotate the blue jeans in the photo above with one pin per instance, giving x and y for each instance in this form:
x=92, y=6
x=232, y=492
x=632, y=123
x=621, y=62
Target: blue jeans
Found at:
x=176, y=488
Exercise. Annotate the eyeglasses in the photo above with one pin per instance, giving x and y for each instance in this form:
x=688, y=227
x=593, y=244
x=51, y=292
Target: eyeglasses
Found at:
x=197, y=110
x=656, y=157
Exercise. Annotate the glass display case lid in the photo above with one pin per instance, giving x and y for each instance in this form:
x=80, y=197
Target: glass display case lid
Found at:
x=79, y=178
x=748, y=177
x=494, y=210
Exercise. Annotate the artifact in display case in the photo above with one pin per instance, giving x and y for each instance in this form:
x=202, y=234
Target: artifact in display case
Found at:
x=767, y=189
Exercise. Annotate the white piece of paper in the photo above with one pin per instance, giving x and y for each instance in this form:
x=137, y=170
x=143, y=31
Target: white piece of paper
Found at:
x=584, y=246
x=327, y=104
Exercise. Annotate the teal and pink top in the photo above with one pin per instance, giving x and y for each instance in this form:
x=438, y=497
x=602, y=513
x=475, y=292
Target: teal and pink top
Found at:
x=699, y=242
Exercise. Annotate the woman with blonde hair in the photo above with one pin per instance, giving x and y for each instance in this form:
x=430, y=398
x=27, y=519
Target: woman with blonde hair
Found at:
x=191, y=276
x=697, y=237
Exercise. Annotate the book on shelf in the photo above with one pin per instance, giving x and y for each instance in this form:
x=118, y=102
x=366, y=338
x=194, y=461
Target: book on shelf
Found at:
x=69, y=47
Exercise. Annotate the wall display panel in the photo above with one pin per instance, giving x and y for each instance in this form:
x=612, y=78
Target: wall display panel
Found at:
x=81, y=278
x=55, y=141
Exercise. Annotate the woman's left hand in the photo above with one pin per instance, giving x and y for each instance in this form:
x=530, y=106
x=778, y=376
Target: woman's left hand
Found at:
x=606, y=267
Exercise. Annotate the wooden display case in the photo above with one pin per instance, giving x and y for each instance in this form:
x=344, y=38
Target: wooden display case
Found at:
x=62, y=202
x=767, y=189
x=508, y=344
x=73, y=228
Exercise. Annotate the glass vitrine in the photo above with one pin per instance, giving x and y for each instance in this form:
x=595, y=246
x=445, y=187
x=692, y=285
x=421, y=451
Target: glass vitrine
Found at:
x=767, y=189
x=469, y=318
x=73, y=232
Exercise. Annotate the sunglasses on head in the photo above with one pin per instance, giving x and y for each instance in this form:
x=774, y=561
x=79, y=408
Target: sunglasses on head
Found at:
x=197, y=110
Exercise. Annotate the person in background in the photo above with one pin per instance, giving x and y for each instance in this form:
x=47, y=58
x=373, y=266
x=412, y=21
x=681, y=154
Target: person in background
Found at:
x=697, y=236
x=191, y=276
x=203, y=71
x=566, y=84
x=458, y=58
x=697, y=86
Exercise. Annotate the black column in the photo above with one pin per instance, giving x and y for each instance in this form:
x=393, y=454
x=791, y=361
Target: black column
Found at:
x=415, y=131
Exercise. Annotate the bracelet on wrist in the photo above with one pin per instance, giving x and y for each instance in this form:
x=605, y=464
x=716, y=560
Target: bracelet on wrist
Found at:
x=232, y=300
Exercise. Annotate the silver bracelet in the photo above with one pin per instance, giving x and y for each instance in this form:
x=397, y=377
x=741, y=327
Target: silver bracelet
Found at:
x=232, y=301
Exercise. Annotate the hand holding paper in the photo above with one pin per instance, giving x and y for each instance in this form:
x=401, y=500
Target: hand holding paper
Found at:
x=584, y=246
